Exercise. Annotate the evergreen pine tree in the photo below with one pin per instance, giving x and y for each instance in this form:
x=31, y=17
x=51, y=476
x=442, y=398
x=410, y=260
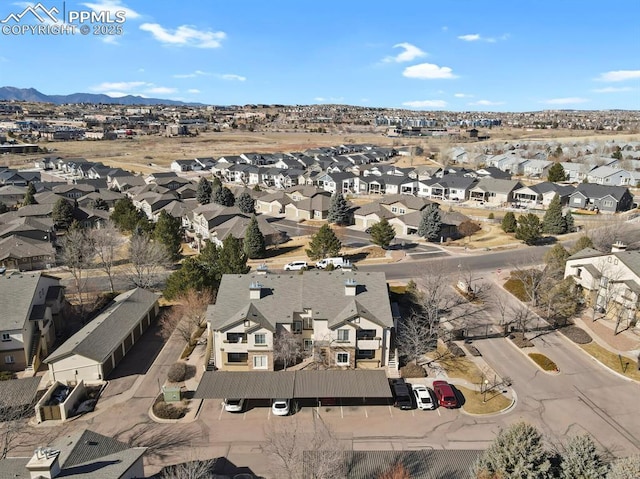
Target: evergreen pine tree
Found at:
x=338, y=210
x=127, y=218
x=203, y=193
x=191, y=275
x=556, y=173
x=215, y=183
x=581, y=460
x=431, y=223
x=254, y=244
x=29, y=198
x=168, y=232
x=62, y=213
x=231, y=258
x=223, y=196
x=509, y=223
x=553, y=222
x=529, y=229
x=324, y=244
x=99, y=204
x=246, y=203
x=382, y=233
x=569, y=224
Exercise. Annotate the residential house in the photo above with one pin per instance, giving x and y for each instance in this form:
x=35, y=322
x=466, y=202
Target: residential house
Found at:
x=12, y=195
x=367, y=215
x=491, y=172
x=450, y=187
x=345, y=317
x=150, y=203
x=610, y=281
x=541, y=194
x=510, y=163
x=123, y=183
x=29, y=302
x=26, y=254
x=341, y=182
x=576, y=172
x=536, y=168
x=400, y=185
x=497, y=192
x=208, y=217
x=409, y=223
x=79, y=455
x=18, y=178
x=184, y=165
x=73, y=192
x=40, y=229
x=609, y=176
x=606, y=199
x=94, y=351
x=314, y=208
x=273, y=203
x=237, y=227
x=108, y=196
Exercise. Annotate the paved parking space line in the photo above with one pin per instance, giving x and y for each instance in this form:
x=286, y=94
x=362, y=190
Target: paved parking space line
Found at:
x=439, y=412
x=221, y=411
x=366, y=413
x=390, y=413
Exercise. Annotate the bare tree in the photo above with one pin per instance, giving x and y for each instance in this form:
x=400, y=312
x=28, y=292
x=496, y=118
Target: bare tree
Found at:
x=501, y=303
x=77, y=254
x=522, y=317
x=416, y=337
x=532, y=279
x=147, y=258
x=187, y=317
x=196, y=469
x=397, y=471
x=290, y=444
x=107, y=241
x=287, y=347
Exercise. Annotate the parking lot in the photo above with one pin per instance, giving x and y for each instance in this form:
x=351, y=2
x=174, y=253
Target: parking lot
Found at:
x=260, y=410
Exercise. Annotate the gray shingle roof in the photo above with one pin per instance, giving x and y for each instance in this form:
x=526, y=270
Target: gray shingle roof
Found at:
x=591, y=190
x=423, y=464
x=102, y=335
x=16, y=293
x=18, y=392
x=285, y=294
x=631, y=259
x=293, y=384
x=497, y=185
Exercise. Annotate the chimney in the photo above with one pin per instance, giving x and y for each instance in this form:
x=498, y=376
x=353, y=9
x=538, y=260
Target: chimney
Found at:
x=44, y=463
x=347, y=266
x=618, y=246
x=262, y=270
x=350, y=287
x=255, y=290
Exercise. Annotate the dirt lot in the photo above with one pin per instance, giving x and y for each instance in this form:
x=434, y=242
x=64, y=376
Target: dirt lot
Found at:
x=151, y=153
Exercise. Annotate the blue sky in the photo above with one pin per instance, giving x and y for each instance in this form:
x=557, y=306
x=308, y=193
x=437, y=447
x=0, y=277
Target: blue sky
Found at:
x=428, y=55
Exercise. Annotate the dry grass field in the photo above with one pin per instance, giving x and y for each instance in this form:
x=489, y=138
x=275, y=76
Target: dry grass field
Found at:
x=150, y=153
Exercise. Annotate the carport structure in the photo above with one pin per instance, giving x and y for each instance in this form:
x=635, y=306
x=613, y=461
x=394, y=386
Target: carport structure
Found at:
x=338, y=384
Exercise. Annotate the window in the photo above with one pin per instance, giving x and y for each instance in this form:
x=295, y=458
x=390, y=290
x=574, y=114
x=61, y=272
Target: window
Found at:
x=343, y=335
x=307, y=323
x=6, y=337
x=578, y=272
x=307, y=344
x=260, y=338
x=260, y=362
x=608, y=203
x=237, y=357
x=394, y=209
x=297, y=327
x=342, y=359
x=576, y=200
x=9, y=359
x=366, y=333
x=236, y=337
x=365, y=354
x=401, y=211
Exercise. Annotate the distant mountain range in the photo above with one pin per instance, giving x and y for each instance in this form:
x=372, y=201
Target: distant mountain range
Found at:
x=32, y=95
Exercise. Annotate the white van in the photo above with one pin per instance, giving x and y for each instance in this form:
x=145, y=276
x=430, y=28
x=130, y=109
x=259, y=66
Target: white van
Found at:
x=336, y=262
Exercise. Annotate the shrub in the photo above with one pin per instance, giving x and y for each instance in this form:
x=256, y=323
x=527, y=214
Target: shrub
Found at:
x=576, y=334
x=520, y=340
x=330, y=267
x=473, y=350
x=516, y=288
x=165, y=410
x=456, y=350
x=491, y=216
x=7, y=375
x=177, y=372
x=543, y=361
x=412, y=370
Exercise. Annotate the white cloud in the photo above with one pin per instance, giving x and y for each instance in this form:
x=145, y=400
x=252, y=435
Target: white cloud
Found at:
x=115, y=94
x=462, y=95
x=160, y=90
x=193, y=90
x=185, y=35
x=476, y=37
x=194, y=74
x=565, y=101
x=428, y=71
x=110, y=39
x=119, y=86
x=612, y=89
x=321, y=99
x=410, y=52
x=112, y=6
x=486, y=103
x=426, y=104
x=232, y=77
x=619, y=75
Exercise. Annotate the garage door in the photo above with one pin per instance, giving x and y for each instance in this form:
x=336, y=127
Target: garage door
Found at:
x=107, y=367
x=128, y=342
x=136, y=333
x=118, y=354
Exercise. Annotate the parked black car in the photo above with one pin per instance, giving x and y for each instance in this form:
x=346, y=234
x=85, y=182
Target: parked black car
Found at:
x=401, y=394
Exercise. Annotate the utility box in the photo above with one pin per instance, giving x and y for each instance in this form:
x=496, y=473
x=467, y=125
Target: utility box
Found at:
x=171, y=393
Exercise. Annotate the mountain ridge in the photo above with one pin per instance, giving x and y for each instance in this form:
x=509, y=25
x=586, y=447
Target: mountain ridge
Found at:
x=10, y=93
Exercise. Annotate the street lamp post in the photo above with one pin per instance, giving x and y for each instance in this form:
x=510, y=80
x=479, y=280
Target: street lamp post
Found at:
x=484, y=394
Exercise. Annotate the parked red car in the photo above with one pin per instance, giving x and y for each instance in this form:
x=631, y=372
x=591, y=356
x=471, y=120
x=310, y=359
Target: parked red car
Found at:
x=444, y=393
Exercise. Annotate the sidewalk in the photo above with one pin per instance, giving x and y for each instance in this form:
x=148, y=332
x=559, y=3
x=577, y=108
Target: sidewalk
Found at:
x=626, y=342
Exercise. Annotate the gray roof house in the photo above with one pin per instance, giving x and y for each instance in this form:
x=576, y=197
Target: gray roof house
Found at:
x=541, y=194
x=81, y=455
x=29, y=302
x=606, y=175
x=608, y=199
x=94, y=351
x=344, y=316
x=494, y=191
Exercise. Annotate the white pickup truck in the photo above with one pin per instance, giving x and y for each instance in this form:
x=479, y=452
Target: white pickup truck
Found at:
x=336, y=262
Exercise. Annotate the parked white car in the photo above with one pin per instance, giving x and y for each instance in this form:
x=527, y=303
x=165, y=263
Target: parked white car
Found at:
x=296, y=266
x=424, y=397
x=233, y=405
x=280, y=407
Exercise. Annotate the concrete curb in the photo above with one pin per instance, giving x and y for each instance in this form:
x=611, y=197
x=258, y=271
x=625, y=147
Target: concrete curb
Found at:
x=557, y=372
